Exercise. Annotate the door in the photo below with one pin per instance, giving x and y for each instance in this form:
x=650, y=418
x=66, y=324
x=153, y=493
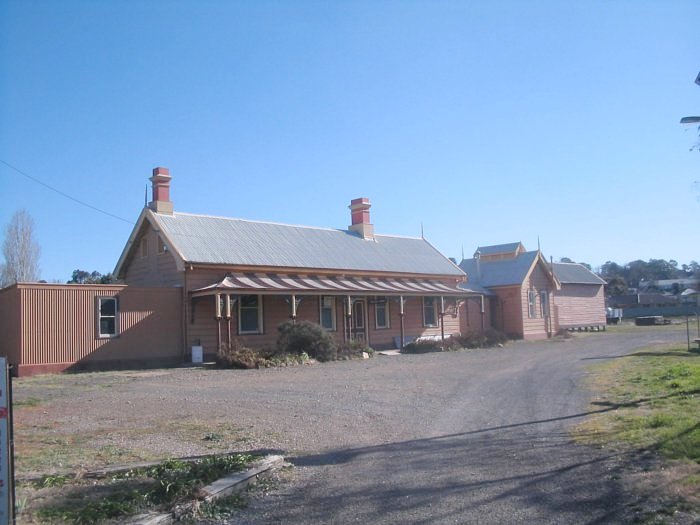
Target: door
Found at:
x=358, y=331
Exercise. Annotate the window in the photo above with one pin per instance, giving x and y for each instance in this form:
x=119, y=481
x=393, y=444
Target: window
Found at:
x=250, y=314
x=429, y=317
x=381, y=313
x=544, y=304
x=327, y=313
x=144, y=247
x=107, y=316
x=162, y=248
x=531, y=304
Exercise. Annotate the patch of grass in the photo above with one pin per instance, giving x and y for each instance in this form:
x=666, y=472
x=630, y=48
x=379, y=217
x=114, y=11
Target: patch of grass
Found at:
x=49, y=451
x=116, y=506
x=28, y=402
x=692, y=480
x=651, y=400
x=654, y=400
x=170, y=482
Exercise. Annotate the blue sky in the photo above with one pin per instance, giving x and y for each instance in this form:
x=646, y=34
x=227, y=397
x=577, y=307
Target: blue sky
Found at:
x=486, y=122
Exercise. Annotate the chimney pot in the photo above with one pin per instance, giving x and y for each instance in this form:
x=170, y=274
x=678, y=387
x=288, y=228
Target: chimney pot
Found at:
x=160, y=181
x=359, y=214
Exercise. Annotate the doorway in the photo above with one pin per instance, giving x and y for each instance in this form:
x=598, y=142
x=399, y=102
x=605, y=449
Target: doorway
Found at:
x=358, y=321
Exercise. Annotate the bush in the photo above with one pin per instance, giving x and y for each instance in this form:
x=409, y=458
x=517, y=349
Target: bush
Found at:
x=237, y=355
x=495, y=337
x=488, y=339
x=354, y=350
x=422, y=346
x=470, y=340
x=303, y=336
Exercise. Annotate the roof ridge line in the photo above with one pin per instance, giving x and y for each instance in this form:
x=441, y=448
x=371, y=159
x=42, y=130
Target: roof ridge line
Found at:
x=274, y=223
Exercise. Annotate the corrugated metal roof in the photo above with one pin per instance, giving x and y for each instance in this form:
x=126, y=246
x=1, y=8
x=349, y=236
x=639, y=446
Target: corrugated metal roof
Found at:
x=275, y=283
x=495, y=249
x=216, y=240
x=574, y=273
x=503, y=272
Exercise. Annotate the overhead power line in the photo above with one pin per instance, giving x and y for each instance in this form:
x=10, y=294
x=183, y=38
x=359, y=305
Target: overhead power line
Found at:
x=64, y=194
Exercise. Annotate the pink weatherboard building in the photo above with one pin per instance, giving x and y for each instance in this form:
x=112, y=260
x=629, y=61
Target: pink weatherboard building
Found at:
x=527, y=297
x=189, y=283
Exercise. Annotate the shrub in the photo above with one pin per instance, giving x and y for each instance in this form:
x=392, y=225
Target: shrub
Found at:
x=489, y=338
x=421, y=346
x=303, y=336
x=237, y=355
x=471, y=340
x=354, y=350
x=495, y=337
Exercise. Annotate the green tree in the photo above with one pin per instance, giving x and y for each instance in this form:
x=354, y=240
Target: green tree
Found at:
x=95, y=277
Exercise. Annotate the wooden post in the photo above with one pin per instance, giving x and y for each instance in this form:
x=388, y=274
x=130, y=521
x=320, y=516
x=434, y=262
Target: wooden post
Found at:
x=217, y=315
x=442, y=320
x=227, y=310
x=348, y=319
x=401, y=316
x=483, y=321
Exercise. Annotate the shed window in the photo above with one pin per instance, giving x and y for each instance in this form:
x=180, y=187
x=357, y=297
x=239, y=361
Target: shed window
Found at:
x=107, y=316
x=327, y=313
x=162, y=248
x=250, y=315
x=429, y=317
x=381, y=313
x=144, y=247
x=531, y=304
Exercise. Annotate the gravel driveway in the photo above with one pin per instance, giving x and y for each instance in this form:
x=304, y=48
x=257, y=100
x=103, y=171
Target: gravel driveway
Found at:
x=461, y=437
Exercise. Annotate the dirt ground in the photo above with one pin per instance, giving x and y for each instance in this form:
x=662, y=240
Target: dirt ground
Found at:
x=342, y=422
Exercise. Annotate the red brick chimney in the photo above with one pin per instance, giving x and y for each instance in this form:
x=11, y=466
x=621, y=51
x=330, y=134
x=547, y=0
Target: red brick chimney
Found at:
x=359, y=211
x=161, y=191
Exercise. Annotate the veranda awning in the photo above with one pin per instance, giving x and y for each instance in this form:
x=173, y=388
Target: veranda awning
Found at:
x=313, y=285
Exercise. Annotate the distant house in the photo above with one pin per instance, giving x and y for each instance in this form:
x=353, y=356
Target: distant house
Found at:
x=674, y=286
x=643, y=300
x=529, y=298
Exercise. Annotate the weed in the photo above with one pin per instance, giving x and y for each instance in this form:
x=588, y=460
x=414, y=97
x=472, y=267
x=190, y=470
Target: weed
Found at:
x=53, y=481
x=223, y=508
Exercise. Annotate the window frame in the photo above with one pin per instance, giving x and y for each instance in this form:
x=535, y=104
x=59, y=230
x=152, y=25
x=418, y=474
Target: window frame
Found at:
x=433, y=307
x=259, y=310
x=544, y=303
x=382, y=302
x=532, y=303
x=332, y=298
x=100, y=316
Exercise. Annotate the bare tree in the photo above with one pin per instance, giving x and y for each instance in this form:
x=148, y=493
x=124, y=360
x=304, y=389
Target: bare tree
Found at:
x=20, y=250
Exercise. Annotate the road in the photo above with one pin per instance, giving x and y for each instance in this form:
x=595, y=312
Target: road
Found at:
x=465, y=437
